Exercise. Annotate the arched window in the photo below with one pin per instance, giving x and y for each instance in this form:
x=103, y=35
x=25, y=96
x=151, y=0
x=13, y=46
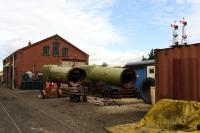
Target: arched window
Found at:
x=65, y=52
x=56, y=49
x=46, y=50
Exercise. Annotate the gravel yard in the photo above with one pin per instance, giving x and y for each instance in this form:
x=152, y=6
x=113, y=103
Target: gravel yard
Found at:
x=24, y=112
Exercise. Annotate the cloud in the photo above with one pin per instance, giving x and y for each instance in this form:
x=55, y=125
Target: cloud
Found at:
x=8, y=46
x=165, y=12
x=101, y=55
x=85, y=24
x=193, y=28
x=74, y=19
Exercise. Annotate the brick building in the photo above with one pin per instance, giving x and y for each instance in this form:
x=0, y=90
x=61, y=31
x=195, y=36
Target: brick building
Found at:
x=1, y=77
x=52, y=50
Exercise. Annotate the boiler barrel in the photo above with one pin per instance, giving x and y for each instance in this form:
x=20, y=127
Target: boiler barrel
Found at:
x=111, y=75
x=54, y=73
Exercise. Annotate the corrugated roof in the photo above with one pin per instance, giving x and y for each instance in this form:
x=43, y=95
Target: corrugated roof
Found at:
x=7, y=65
x=179, y=46
x=140, y=63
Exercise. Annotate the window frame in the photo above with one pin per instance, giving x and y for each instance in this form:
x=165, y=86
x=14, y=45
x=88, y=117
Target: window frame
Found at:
x=46, y=50
x=65, y=52
x=56, y=49
x=151, y=70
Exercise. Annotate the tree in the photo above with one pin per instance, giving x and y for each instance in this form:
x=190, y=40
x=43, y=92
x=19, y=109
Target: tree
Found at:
x=144, y=58
x=151, y=56
x=104, y=64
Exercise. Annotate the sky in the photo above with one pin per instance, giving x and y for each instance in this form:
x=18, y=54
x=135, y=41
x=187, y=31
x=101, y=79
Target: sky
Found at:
x=111, y=31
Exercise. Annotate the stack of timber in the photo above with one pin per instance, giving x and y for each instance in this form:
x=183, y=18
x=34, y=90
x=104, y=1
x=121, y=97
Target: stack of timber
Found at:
x=102, y=101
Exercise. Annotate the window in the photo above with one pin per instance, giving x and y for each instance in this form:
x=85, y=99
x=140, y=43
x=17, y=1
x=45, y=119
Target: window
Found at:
x=46, y=50
x=55, y=49
x=65, y=52
x=151, y=70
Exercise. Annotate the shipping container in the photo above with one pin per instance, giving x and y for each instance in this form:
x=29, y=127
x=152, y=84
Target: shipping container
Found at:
x=178, y=72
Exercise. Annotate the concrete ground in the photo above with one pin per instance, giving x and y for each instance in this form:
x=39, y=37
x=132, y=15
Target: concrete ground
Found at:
x=24, y=112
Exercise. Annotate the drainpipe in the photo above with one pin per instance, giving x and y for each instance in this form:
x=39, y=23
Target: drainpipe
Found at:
x=13, y=72
x=33, y=71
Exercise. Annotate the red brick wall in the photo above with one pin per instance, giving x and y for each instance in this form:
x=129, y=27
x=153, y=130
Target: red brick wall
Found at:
x=33, y=57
